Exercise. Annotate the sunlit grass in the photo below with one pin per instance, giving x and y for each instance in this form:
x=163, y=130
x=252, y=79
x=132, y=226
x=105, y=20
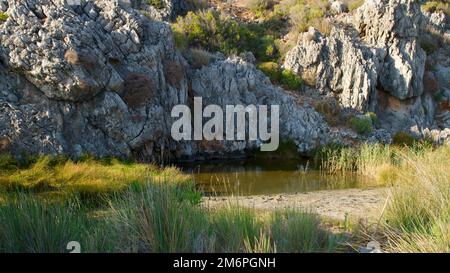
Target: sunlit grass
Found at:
x=417, y=215
x=159, y=219
x=87, y=177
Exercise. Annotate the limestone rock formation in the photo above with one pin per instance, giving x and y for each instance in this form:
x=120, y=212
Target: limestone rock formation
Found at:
x=337, y=64
x=392, y=27
x=234, y=81
x=373, y=61
x=89, y=78
x=99, y=77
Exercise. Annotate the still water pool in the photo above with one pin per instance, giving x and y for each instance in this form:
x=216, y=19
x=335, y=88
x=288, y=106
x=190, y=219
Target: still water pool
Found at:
x=254, y=177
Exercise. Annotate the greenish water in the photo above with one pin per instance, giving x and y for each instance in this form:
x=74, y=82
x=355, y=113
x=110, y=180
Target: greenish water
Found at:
x=253, y=177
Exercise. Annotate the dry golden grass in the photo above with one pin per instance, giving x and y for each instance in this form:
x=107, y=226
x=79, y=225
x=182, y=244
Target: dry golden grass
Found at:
x=86, y=177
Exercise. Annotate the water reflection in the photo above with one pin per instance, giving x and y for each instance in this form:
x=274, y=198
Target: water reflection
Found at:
x=252, y=177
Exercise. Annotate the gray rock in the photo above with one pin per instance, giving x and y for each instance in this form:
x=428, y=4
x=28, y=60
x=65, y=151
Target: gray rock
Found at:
x=234, y=81
x=338, y=7
x=80, y=89
x=338, y=64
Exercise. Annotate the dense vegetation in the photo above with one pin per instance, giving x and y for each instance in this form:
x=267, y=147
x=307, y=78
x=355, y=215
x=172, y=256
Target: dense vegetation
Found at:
x=115, y=206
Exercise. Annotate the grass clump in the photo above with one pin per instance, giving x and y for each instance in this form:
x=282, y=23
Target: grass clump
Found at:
x=402, y=138
x=159, y=4
x=417, y=215
x=31, y=225
x=354, y=4
x=259, y=7
x=155, y=219
x=376, y=161
x=3, y=16
x=286, y=78
x=330, y=110
x=434, y=6
x=88, y=178
x=362, y=125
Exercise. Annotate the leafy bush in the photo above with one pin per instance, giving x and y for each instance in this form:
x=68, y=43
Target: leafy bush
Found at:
x=373, y=117
x=212, y=31
x=3, y=16
x=428, y=43
x=290, y=80
x=287, y=78
x=433, y=6
x=305, y=13
x=402, y=138
x=272, y=70
x=362, y=125
x=159, y=4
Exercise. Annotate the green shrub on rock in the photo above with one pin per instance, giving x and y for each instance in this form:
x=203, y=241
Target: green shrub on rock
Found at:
x=362, y=125
x=3, y=16
x=403, y=138
x=159, y=4
x=290, y=80
x=272, y=70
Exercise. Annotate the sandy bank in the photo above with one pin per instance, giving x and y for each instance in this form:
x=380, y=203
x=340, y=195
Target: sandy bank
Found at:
x=358, y=203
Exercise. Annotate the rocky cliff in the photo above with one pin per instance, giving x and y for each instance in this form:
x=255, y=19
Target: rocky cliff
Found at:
x=373, y=61
x=101, y=77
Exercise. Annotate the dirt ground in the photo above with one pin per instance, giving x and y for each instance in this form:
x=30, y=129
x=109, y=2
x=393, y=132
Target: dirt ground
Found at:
x=356, y=203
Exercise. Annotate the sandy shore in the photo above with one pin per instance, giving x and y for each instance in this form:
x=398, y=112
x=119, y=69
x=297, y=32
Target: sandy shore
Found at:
x=358, y=203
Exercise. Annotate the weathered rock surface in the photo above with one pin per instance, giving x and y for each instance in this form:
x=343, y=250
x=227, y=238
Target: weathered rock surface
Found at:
x=373, y=61
x=337, y=64
x=383, y=54
x=100, y=77
x=392, y=27
x=89, y=78
x=97, y=77
x=234, y=81
x=166, y=10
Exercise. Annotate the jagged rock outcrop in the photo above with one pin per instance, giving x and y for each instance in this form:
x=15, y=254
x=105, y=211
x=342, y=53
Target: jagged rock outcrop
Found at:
x=384, y=54
x=336, y=64
x=392, y=27
x=234, y=81
x=167, y=10
x=89, y=78
x=97, y=77
x=371, y=61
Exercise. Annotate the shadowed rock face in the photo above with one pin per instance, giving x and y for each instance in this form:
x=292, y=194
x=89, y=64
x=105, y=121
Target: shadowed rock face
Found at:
x=71, y=76
x=100, y=78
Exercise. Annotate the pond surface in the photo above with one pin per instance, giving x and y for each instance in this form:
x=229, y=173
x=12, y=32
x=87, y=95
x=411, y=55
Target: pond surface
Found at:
x=255, y=177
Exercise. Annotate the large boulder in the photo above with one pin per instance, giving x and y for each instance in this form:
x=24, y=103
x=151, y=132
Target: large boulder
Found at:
x=383, y=53
x=337, y=64
x=87, y=77
x=392, y=27
x=234, y=81
x=99, y=77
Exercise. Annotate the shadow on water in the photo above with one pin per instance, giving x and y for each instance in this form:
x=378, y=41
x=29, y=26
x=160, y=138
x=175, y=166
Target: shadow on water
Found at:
x=257, y=176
